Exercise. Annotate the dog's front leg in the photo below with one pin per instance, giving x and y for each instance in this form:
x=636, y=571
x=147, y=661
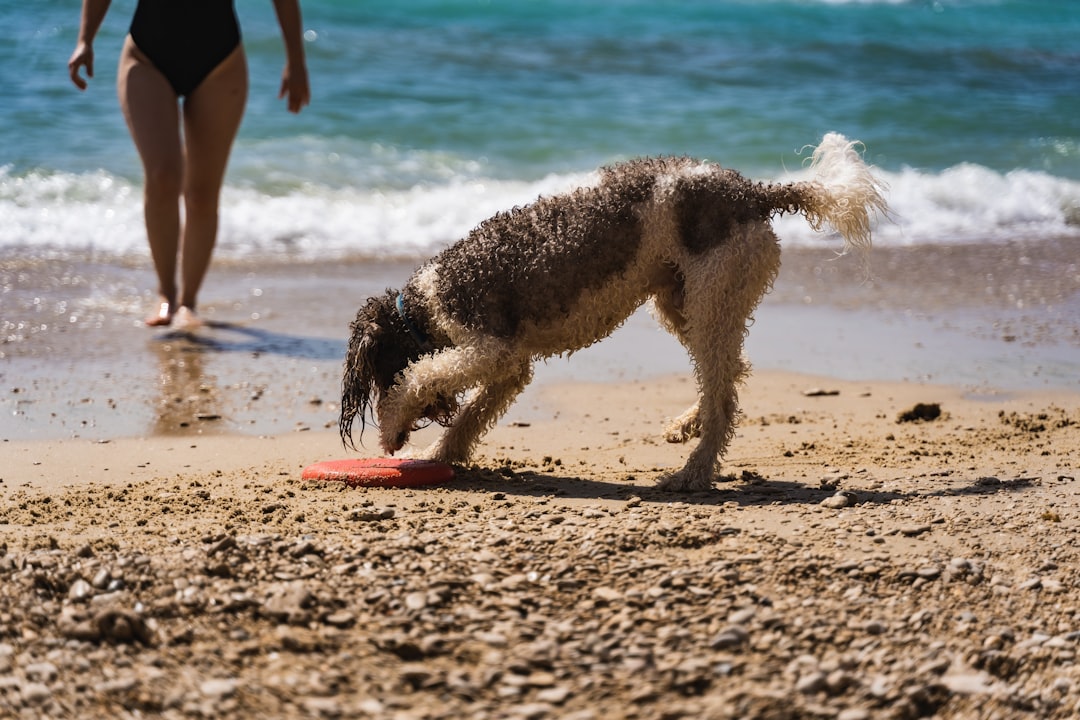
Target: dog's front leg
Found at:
x=478, y=415
x=444, y=374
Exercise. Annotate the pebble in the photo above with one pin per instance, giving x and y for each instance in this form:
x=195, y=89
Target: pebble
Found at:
x=730, y=637
x=35, y=693
x=842, y=499
x=607, y=594
x=41, y=672
x=929, y=572
x=372, y=514
x=221, y=688
x=854, y=714
x=80, y=590
x=812, y=683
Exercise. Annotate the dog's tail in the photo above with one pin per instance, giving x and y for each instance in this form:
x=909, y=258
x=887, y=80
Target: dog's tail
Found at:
x=843, y=194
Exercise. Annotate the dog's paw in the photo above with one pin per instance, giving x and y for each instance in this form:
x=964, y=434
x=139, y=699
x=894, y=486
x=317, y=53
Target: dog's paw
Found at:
x=684, y=428
x=681, y=432
x=685, y=482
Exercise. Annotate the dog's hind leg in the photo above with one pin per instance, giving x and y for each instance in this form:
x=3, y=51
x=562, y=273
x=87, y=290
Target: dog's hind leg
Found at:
x=721, y=291
x=669, y=300
x=713, y=418
x=685, y=427
x=477, y=416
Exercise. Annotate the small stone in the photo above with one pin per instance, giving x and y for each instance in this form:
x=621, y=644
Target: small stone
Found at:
x=853, y=714
x=121, y=626
x=540, y=679
x=415, y=674
x=372, y=707
x=1053, y=586
x=968, y=683
x=743, y=616
x=326, y=707
x=44, y=672
x=842, y=499
x=553, y=695
x=812, y=683
x=929, y=572
x=218, y=688
x=531, y=711
x=340, y=619
x=730, y=637
x=371, y=514
x=607, y=594
x=101, y=579
x=920, y=412
x=80, y=590
x=34, y=693
x=118, y=686
x=298, y=640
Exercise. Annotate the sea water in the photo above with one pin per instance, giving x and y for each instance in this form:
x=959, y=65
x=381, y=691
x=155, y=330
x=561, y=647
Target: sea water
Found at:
x=429, y=115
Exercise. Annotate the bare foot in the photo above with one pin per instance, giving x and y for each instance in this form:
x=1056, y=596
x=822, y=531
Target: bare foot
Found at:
x=163, y=318
x=187, y=320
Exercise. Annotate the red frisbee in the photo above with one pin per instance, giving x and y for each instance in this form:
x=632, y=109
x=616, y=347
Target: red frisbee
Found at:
x=380, y=472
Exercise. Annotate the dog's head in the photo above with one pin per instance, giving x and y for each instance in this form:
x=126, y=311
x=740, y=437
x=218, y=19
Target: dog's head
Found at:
x=380, y=348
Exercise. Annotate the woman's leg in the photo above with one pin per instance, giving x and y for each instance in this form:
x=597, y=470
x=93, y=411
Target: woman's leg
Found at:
x=153, y=118
x=212, y=114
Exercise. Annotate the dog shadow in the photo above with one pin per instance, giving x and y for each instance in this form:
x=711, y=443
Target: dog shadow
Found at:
x=755, y=493
x=230, y=338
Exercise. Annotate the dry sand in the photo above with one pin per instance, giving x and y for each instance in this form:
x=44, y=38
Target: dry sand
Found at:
x=847, y=565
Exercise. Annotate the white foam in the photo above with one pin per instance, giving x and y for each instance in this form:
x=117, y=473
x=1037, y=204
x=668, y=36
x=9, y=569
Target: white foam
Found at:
x=293, y=221
x=966, y=204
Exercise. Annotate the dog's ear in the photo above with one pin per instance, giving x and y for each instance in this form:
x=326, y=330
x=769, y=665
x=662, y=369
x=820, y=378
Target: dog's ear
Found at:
x=358, y=383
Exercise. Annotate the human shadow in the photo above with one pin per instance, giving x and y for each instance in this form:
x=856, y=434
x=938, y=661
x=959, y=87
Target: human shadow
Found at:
x=231, y=338
x=751, y=490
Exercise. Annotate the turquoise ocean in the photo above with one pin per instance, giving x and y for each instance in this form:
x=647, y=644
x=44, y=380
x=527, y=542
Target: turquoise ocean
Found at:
x=428, y=115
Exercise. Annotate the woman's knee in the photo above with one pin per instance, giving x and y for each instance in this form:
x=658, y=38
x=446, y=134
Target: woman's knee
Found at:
x=164, y=181
x=201, y=198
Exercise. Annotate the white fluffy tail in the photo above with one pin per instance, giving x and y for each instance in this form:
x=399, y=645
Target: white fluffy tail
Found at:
x=843, y=192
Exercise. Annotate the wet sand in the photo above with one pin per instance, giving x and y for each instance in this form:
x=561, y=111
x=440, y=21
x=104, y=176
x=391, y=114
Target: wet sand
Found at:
x=76, y=361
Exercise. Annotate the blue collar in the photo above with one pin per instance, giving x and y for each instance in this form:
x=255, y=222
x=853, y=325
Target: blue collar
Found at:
x=417, y=335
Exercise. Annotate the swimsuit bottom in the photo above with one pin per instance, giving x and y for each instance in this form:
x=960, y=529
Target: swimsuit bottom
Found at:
x=185, y=39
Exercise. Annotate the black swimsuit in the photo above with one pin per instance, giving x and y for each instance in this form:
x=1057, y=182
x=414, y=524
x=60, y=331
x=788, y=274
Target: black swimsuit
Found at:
x=185, y=39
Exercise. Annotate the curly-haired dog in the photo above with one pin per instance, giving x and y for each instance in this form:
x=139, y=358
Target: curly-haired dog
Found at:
x=564, y=272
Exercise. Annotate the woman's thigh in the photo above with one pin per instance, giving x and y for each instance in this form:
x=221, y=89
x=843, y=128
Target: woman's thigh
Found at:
x=152, y=113
x=212, y=115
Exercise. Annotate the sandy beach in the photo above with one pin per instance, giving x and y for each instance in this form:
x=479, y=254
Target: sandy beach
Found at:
x=160, y=556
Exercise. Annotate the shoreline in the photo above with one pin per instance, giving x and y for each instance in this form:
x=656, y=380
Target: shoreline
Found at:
x=988, y=319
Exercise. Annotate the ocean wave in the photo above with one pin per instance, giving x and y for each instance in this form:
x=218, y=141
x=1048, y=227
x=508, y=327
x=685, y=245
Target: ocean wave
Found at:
x=101, y=215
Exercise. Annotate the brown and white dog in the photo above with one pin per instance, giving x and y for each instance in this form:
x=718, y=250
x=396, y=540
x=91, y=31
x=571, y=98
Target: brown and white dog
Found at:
x=565, y=271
